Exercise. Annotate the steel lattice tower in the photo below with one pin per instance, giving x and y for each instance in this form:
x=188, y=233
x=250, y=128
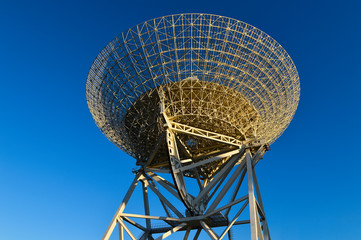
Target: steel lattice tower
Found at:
x=193, y=97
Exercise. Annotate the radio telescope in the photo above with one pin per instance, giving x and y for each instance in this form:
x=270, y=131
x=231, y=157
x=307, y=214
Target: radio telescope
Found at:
x=196, y=99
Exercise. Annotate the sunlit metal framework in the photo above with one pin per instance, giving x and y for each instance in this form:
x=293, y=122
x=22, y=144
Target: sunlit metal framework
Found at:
x=213, y=211
x=194, y=96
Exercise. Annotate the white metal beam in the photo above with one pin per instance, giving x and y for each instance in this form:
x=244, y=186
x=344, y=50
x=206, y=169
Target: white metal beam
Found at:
x=226, y=187
x=229, y=205
x=112, y=224
x=173, y=230
x=126, y=229
x=149, y=217
x=239, y=183
x=165, y=200
x=209, y=231
x=258, y=192
x=121, y=232
x=146, y=204
x=212, y=159
x=211, y=184
x=182, y=128
x=252, y=200
x=233, y=221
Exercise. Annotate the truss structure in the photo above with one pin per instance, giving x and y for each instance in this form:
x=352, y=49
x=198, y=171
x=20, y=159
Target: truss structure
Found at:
x=217, y=207
x=196, y=98
x=216, y=73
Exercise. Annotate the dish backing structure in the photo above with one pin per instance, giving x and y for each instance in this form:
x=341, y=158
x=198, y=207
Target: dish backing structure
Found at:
x=193, y=96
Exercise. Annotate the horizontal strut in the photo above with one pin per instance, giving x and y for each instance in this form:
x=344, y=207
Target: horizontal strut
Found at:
x=182, y=128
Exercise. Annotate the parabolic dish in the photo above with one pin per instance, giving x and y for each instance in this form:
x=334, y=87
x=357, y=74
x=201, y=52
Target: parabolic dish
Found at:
x=215, y=73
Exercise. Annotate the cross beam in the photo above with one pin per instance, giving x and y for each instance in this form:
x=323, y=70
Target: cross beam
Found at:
x=176, y=220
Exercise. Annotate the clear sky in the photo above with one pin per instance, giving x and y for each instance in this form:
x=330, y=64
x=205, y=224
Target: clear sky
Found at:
x=60, y=178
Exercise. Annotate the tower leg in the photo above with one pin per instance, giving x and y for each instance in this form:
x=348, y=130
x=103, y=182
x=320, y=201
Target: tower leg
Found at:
x=238, y=168
x=264, y=220
x=121, y=233
x=112, y=224
x=252, y=200
x=256, y=205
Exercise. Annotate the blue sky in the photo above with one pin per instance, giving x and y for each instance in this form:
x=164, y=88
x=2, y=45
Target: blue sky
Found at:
x=60, y=178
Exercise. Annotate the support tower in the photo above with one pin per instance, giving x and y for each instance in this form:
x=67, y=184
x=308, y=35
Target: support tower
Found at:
x=196, y=99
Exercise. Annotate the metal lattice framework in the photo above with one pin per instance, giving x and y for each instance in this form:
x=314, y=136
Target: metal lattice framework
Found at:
x=196, y=97
x=217, y=73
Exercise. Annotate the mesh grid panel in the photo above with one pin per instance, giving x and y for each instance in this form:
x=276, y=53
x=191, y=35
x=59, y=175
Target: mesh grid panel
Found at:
x=216, y=72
